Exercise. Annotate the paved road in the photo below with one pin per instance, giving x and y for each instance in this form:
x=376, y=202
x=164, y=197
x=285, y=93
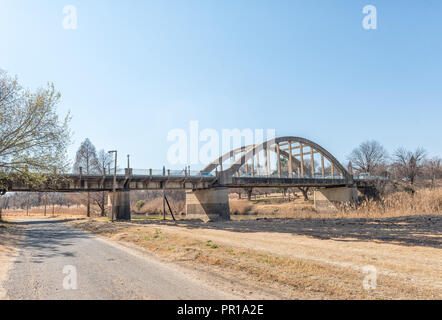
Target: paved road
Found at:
x=104, y=271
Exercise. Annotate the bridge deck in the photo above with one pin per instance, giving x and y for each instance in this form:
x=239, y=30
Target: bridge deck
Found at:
x=76, y=183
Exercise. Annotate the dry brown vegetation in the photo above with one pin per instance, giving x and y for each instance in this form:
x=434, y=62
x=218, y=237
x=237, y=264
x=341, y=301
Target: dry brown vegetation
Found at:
x=50, y=212
x=289, y=248
x=303, y=254
x=155, y=207
x=423, y=201
x=403, y=203
x=300, y=258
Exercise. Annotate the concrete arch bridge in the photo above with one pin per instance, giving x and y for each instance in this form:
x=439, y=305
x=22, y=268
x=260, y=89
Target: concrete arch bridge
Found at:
x=282, y=162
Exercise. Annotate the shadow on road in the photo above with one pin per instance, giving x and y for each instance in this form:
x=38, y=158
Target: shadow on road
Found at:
x=423, y=230
x=45, y=238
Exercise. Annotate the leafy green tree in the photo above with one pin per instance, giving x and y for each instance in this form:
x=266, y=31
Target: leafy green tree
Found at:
x=33, y=139
x=140, y=204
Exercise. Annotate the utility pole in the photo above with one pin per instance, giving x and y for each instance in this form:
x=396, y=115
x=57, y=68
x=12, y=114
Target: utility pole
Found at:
x=164, y=204
x=115, y=184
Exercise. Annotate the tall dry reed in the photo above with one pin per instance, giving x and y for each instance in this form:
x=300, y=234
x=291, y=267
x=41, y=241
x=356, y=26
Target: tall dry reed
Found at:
x=423, y=201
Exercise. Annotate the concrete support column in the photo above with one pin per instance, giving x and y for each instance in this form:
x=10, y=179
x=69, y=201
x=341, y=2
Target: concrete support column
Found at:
x=122, y=205
x=269, y=165
x=208, y=205
x=329, y=199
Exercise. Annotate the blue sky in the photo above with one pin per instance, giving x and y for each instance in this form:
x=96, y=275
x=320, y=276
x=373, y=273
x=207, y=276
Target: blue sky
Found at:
x=134, y=70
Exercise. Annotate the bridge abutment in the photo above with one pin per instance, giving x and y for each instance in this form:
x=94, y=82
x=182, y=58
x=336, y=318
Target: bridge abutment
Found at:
x=208, y=205
x=329, y=199
x=121, y=210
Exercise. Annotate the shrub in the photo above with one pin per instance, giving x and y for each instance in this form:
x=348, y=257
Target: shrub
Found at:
x=240, y=208
x=140, y=204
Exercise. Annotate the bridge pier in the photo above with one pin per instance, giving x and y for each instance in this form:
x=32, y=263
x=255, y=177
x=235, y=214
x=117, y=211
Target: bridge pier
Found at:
x=328, y=199
x=122, y=206
x=208, y=205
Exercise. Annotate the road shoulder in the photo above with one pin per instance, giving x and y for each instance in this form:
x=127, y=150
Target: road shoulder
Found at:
x=9, y=235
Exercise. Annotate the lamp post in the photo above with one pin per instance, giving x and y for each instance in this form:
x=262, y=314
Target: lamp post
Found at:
x=115, y=184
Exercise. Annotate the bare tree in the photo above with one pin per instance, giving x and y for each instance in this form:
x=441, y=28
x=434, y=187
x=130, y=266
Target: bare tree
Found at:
x=368, y=157
x=305, y=192
x=105, y=161
x=33, y=140
x=409, y=164
x=249, y=194
x=433, y=168
x=86, y=161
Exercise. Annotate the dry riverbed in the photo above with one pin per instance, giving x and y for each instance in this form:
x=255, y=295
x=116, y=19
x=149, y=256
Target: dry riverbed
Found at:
x=300, y=258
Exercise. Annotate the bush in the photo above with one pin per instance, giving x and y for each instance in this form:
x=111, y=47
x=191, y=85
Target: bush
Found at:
x=240, y=208
x=140, y=204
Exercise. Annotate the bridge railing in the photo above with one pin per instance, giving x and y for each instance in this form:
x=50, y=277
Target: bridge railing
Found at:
x=369, y=178
x=286, y=175
x=150, y=172
x=171, y=173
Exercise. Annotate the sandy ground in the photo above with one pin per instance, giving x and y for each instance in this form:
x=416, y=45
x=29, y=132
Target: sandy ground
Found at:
x=303, y=258
x=8, y=253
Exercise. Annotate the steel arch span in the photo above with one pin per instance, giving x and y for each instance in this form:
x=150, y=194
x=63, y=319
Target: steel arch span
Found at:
x=295, y=158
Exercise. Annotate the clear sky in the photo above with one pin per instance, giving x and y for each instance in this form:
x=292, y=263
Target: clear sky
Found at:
x=134, y=70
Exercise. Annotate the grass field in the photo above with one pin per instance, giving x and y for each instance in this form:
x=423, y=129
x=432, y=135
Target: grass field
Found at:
x=300, y=258
x=289, y=248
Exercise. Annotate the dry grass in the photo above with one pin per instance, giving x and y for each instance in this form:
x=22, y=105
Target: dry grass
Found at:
x=74, y=211
x=242, y=208
x=293, y=277
x=155, y=207
x=423, y=201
